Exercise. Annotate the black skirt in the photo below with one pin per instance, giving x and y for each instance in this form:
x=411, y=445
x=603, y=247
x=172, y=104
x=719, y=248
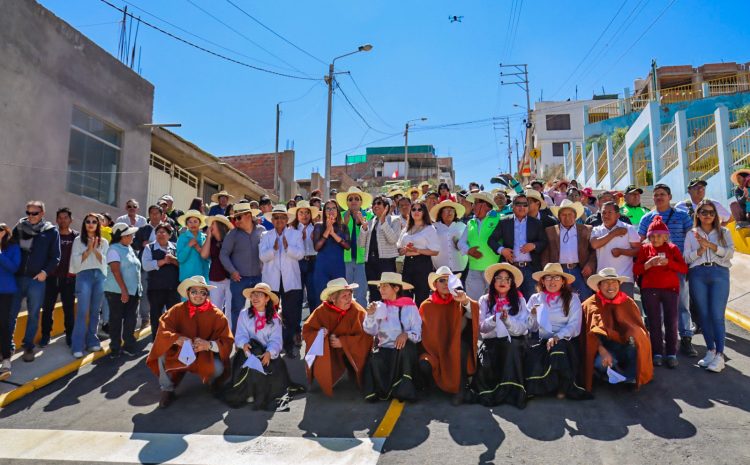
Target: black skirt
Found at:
x=272, y=391
x=550, y=372
x=391, y=373
x=500, y=377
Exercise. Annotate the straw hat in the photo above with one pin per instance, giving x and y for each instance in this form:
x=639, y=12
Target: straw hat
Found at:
x=442, y=271
x=553, y=269
x=484, y=197
x=221, y=219
x=264, y=288
x=395, y=192
x=435, y=211
x=342, y=196
x=304, y=205
x=123, y=229
x=193, y=281
x=492, y=269
x=536, y=195
x=423, y=184
x=735, y=175
x=391, y=278
x=215, y=197
x=242, y=208
x=182, y=220
x=576, y=206
x=335, y=285
x=280, y=208
x=557, y=183
x=603, y=275
x=413, y=189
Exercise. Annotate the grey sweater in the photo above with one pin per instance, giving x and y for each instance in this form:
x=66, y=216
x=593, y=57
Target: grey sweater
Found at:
x=239, y=252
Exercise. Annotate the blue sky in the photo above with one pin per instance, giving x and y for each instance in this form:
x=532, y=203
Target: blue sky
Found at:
x=422, y=65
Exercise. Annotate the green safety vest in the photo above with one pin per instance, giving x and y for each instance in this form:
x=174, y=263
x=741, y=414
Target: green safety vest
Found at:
x=478, y=238
x=634, y=214
x=361, y=255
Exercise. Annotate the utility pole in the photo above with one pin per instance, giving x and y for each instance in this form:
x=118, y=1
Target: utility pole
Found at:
x=276, y=154
x=406, y=151
x=510, y=148
x=517, y=168
x=519, y=75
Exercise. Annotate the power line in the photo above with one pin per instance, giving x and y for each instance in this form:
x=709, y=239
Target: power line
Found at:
x=351, y=76
x=203, y=49
x=276, y=33
x=338, y=86
x=515, y=29
x=303, y=95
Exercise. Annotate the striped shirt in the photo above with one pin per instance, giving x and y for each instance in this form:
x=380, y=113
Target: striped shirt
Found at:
x=678, y=222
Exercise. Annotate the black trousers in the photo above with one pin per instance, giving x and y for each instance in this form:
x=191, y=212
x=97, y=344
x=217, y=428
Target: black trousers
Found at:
x=66, y=289
x=122, y=318
x=6, y=338
x=416, y=271
x=158, y=301
x=374, y=267
x=291, y=314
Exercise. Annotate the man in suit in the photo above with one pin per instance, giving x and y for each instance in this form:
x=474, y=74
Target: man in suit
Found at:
x=570, y=246
x=520, y=240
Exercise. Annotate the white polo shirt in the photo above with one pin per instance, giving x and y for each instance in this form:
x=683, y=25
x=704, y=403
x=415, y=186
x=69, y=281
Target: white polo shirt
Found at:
x=604, y=259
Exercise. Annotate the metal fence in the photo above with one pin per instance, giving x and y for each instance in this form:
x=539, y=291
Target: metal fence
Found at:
x=601, y=165
x=589, y=164
x=703, y=153
x=619, y=163
x=579, y=161
x=669, y=155
x=643, y=175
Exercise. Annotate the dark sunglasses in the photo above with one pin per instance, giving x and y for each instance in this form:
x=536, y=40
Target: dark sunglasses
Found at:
x=197, y=292
x=441, y=280
x=415, y=210
x=520, y=204
x=378, y=202
x=92, y=222
x=707, y=213
x=28, y=213
x=131, y=206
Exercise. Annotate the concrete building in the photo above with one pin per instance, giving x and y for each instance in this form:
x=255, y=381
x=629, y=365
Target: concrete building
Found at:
x=70, y=118
x=260, y=167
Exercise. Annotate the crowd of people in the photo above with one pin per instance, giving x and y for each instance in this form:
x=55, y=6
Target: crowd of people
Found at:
x=493, y=297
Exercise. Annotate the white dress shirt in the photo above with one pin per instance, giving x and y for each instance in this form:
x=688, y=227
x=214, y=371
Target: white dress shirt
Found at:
x=568, y=245
x=550, y=319
x=76, y=265
x=269, y=337
x=308, y=241
x=450, y=255
x=519, y=240
x=723, y=254
x=514, y=325
x=282, y=265
x=385, y=324
x=604, y=259
x=426, y=238
x=140, y=221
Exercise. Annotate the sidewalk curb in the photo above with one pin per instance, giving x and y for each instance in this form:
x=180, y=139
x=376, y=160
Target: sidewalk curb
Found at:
x=738, y=318
x=37, y=383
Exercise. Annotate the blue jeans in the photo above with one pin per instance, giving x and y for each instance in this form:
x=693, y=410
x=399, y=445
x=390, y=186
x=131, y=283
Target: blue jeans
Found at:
x=307, y=271
x=709, y=289
x=579, y=285
x=238, y=300
x=90, y=294
x=33, y=290
x=355, y=273
x=624, y=359
x=684, y=323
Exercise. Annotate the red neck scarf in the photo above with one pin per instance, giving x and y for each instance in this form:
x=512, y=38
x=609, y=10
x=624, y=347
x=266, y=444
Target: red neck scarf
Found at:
x=437, y=299
x=500, y=302
x=341, y=313
x=200, y=308
x=260, y=320
x=550, y=296
x=400, y=302
x=619, y=298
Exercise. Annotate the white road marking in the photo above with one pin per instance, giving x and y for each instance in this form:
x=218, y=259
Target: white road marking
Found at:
x=191, y=449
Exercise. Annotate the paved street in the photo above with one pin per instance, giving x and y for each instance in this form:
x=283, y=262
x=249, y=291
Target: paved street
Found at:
x=684, y=415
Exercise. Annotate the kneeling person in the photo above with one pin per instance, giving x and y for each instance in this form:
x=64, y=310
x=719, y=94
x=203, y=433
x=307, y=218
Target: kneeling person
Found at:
x=198, y=323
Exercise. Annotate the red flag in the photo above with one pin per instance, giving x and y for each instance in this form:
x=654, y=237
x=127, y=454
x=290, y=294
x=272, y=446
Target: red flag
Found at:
x=395, y=174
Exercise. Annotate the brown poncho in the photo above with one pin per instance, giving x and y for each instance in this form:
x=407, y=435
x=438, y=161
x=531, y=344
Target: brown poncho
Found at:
x=210, y=325
x=441, y=341
x=355, y=345
x=616, y=322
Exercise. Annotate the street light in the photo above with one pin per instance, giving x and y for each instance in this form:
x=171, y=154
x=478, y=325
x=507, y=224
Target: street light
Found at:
x=329, y=81
x=406, y=145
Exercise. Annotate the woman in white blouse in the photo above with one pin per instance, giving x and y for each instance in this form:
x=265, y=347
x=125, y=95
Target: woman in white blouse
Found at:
x=504, y=323
x=304, y=216
x=396, y=325
x=551, y=363
x=259, y=335
x=708, y=252
x=87, y=262
x=445, y=217
x=418, y=243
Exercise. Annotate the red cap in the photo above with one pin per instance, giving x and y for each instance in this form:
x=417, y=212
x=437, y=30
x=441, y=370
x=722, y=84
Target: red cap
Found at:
x=588, y=192
x=657, y=226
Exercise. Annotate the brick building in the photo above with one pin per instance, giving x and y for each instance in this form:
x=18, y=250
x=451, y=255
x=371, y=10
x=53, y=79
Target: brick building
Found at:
x=260, y=167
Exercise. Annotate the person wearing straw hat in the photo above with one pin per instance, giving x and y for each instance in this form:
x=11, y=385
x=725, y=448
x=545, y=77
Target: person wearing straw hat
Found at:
x=740, y=206
x=569, y=244
x=474, y=242
x=431, y=199
x=221, y=202
x=558, y=191
x=418, y=243
x=501, y=202
x=303, y=220
x=331, y=239
x=538, y=185
x=504, y=323
x=281, y=249
x=160, y=266
x=413, y=193
x=259, y=335
x=539, y=209
x=613, y=334
x=204, y=327
x=395, y=324
x=446, y=219
x=239, y=255
x=424, y=187
x=355, y=206
x=189, y=245
x=520, y=240
x=218, y=228
x=378, y=237
x=552, y=361
x=122, y=289
x=346, y=346
x=450, y=330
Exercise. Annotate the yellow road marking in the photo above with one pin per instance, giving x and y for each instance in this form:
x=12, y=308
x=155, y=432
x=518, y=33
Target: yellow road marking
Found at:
x=389, y=420
x=738, y=319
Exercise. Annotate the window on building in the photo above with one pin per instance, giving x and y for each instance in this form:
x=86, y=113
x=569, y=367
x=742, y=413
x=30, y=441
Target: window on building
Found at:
x=558, y=148
x=559, y=122
x=209, y=189
x=93, y=158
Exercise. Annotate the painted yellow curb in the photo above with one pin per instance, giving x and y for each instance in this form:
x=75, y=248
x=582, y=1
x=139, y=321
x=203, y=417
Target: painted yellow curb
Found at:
x=389, y=420
x=37, y=383
x=738, y=319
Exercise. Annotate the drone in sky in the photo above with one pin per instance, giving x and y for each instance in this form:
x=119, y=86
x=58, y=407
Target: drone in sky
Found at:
x=455, y=19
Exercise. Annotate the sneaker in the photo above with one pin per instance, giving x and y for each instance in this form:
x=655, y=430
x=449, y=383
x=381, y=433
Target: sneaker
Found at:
x=78, y=354
x=706, y=361
x=717, y=364
x=672, y=361
x=95, y=349
x=658, y=361
x=28, y=355
x=686, y=346
x=128, y=352
x=5, y=365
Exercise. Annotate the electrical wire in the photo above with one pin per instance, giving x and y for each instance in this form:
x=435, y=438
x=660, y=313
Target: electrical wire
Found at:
x=203, y=49
x=351, y=76
x=515, y=29
x=343, y=94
